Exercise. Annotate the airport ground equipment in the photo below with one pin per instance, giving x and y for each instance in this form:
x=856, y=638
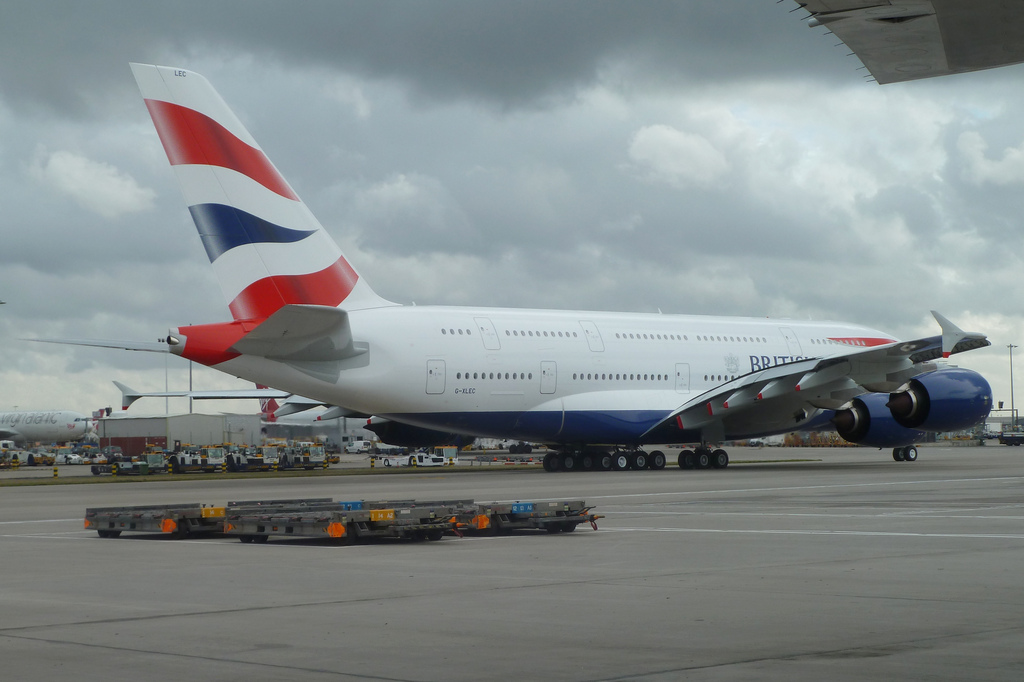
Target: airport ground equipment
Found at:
x=179, y=520
x=262, y=458
x=1011, y=437
x=343, y=521
x=143, y=465
x=192, y=459
x=303, y=455
x=347, y=521
x=554, y=517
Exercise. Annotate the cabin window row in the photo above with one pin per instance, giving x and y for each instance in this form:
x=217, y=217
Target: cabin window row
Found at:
x=594, y=376
x=460, y=332
x=550, y=334
x=494, y=375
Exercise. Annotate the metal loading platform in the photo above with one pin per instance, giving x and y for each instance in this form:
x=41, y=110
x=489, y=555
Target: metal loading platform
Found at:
x=346, y=521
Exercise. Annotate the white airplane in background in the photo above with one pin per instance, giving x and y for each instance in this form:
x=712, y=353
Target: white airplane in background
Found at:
x=44, y=426
x=595, y=386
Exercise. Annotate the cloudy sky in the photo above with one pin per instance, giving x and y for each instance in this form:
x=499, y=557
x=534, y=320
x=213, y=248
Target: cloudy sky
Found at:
x=679, y=156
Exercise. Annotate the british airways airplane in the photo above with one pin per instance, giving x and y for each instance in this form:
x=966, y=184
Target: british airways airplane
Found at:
x=597, y=387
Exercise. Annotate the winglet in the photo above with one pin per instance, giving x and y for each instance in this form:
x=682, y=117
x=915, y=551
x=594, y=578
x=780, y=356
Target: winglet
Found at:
x=952, y=334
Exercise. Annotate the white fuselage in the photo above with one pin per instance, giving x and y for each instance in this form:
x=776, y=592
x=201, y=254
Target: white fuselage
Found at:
x=547, y=375
x=59, y=426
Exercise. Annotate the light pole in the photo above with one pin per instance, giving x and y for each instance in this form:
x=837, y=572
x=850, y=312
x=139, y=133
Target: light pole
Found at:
x=1013, y=411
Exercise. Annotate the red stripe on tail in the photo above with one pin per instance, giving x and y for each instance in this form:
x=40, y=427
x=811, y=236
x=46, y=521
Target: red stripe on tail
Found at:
x=263, y=298
x=190, y=137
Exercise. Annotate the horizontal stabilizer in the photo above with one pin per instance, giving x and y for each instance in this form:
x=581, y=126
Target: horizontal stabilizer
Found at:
x=307, y=333
x=130, y=395
x=146, y=346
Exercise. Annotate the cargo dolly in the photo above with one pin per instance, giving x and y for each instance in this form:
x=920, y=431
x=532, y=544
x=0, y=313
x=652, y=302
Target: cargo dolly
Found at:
x=554, y=517
x=342, y=521
x=180, y=520
x=258, y=520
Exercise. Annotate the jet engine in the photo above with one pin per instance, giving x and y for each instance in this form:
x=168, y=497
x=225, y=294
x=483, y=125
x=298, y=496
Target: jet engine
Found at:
x=944, y=400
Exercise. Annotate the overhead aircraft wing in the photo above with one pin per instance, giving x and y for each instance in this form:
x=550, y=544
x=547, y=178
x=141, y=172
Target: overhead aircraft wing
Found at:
x=902, y=40
x=798, y=388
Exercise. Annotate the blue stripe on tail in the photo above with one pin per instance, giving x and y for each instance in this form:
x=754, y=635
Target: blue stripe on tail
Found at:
x=223, y=228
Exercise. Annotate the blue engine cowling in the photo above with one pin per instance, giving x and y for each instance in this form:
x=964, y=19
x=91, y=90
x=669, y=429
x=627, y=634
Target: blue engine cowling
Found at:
x=944, y=400
x=867, y=421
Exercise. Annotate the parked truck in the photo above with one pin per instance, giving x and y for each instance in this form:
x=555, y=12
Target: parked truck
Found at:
x=192, y=459
x=1012, y=435
x=303, y=455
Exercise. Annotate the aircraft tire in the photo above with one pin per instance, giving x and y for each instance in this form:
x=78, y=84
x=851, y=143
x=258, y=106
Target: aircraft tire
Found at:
x=638, y=460
x=568, y=462
x=587, y=462
x=687, y=459
x=387, y=462
x=605, y=462
x=702, y=459
x=897, y=454
x=620, y=461
x=551, y=462
x=910, y=454
x=656, y=460
x=719, y=459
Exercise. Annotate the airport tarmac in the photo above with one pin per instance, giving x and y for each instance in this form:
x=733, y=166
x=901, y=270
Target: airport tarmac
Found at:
x=846, y=567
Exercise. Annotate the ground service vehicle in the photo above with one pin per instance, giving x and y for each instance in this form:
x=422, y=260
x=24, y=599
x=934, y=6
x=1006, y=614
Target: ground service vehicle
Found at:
x=303, y=455
x=1012, y=436
x=142, y=465
x=191, y=459
x=263, y=458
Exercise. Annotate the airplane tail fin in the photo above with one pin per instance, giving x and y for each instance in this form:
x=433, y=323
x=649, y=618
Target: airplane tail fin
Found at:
x=266, y=247
x=268, y=406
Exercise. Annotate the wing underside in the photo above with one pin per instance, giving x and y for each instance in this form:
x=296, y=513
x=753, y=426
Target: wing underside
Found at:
x=912, y=39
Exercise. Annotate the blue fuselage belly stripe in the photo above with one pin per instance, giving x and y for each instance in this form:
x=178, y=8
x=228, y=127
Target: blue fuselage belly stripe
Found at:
x=615, y=426
x=223, y=228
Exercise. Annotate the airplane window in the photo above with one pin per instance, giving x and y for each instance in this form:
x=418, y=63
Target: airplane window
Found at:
x=604, y=376
x=458, y=375
x=474, y=375
x=574, y=335
x=531, y=375
x=492, y=375
x=574, y=376
x=444, y=331
x=506, y=375
x=469, y=332
x=508, y=333
x=616, y=335
x=452, y=332
x=559, y=334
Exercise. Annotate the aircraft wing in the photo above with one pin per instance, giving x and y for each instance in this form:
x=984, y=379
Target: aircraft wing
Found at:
x=910, y=39
x=798, y=388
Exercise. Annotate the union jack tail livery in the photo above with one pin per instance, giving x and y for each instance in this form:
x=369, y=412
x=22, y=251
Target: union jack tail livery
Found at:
x=266, y=247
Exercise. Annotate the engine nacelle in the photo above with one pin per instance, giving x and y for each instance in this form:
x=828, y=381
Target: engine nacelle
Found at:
x=944, y=400
x=867, y=421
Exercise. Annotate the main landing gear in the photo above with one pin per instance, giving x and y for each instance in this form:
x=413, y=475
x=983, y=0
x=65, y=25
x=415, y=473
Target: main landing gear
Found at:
x=703, y=458
x=907, y=454
x=604, y=460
